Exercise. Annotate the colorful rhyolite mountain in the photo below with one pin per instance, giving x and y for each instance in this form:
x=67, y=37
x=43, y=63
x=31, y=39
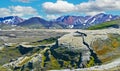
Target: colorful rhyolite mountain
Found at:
x=87, y=21
x=76, y=22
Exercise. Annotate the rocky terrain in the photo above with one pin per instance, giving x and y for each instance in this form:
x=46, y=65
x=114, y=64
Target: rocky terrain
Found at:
x=65, y=50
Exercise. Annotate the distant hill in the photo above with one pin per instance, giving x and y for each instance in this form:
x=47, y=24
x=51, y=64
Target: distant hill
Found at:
x=109, y=24
x=37, y=22
x=34, y=22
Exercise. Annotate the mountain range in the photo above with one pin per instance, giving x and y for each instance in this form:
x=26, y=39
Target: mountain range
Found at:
x=75, y=22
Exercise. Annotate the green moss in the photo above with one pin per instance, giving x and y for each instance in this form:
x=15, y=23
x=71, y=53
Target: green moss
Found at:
x=43, y=59
x=66, y=64
x=53, y=63
x=43, y=56
x=24, y=61
x=91, y=62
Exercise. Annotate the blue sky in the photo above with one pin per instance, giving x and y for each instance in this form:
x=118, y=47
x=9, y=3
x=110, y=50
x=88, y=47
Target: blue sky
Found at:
x=51, y=9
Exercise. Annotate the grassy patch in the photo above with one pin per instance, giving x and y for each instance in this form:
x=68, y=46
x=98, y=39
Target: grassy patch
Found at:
x=4, y=69
x=53, y=63
x=105, y=25
x=44, y=42
x=91, y=62
x=7, y=54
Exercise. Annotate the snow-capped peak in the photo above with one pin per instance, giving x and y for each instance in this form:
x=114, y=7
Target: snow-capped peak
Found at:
x=13, y=20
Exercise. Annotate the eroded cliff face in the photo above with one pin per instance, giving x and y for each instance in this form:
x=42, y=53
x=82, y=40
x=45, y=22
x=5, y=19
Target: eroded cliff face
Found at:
x=78, y=49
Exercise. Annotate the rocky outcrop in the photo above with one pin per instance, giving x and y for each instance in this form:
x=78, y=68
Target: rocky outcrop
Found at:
x=24, y=62
x=24, y=50
x=95, y=48
x=77, y=42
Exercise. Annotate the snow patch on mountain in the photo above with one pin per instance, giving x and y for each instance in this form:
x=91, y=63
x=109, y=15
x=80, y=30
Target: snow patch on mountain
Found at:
x=12, y=20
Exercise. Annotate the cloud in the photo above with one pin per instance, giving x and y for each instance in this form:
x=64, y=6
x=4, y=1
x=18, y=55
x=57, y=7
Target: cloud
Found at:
x=58, y=7
x=99, y=6
x=23, y=1
x=21, y=11
x=91, y=7
x=52, y=16
x=94, y=13
x=4, y=12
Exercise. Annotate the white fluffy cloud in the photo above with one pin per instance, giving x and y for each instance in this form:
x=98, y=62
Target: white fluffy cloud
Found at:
x=58, y=7
x=91, y=7
x=4, y=12
x=21, y=11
